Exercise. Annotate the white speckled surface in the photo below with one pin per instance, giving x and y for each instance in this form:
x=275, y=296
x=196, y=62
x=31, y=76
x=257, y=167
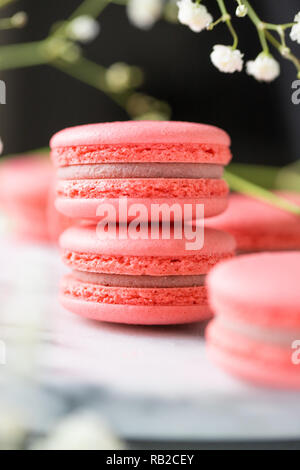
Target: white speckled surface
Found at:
x=158, y=380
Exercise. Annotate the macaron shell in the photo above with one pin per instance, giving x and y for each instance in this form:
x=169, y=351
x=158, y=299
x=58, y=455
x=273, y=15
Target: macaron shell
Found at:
x=141, y=153
x=255, y=362
x=88, y=208
x=259, y=226
x=25, y=180
x=57, y=223
x=143, y=265
x=140, y=132
x=86, y=239
x=258, y=289
x=142, y=188
x=136, y=314
x=24, y=195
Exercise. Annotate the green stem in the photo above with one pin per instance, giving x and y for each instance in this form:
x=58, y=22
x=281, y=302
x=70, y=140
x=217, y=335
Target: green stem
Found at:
x=227, y=19
x=3, y=3
x=278, y=46
x=6, y=23
x=91, y=8
x=276, y=26
x=241, y=185
x=215, y=23
x=23, y=55
x=259, y=26
x=90, y=73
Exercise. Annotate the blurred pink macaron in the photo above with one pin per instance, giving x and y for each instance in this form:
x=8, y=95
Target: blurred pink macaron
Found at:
x=143, y=161
x=25, y=197
x=147, y=280
x=259, y=226
x=256, y=331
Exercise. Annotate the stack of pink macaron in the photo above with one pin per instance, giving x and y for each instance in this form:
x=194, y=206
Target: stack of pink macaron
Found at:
x=118, y=173
x=26, y=197
x=256, y=331
x=256, y=297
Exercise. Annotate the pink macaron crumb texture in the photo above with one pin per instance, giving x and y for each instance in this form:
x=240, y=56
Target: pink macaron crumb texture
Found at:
x=142, y=187
x=161, y=153
x=143, y=265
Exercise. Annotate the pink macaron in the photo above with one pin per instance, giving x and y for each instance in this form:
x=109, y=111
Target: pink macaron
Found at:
x=143, y=161
x=256, y=333
x=148, y=280
x=26, y=197
x=258, y=226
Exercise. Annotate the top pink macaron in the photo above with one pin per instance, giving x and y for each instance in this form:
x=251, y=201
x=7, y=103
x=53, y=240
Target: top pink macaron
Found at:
x=141, y=132
x=144, y=161
x=201, y=142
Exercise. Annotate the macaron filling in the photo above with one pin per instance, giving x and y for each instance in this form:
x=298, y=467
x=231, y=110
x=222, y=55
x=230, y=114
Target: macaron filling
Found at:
x=273, y=336
x=123, y=280
x=141, y=170
x=86, y=291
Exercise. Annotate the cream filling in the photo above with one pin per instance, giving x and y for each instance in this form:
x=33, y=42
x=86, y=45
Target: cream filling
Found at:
x=280, y=337
x=123, y=280
x=141, y=170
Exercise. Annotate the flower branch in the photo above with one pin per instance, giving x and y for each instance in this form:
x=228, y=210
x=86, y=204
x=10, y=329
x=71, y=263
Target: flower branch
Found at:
x=227, y=19
x=61, y=49
x=230, y=59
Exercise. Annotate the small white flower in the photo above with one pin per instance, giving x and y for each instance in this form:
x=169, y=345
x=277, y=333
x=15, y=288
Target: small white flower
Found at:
x=297, y=17
x=144, y=13
x=264, y=68
x=82, y=431
x=83, y=28
x=19, y=19
x=1, y=146
x=241, y=11
x=226, y=59
x=295, y=31
x=193, y=15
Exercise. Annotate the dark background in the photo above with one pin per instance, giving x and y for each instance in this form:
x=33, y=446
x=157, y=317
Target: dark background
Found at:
x=263, y=122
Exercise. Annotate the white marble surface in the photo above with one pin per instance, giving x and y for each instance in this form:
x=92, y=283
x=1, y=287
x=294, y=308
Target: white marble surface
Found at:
x=165, y=367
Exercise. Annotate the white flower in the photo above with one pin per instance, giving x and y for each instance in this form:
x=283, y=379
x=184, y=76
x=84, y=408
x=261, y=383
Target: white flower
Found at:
x=1, y=146
x=295, y=31
x=82, y=431
x=194, y=15
x=144, y=13
x=83, y=28
x=18, y=20
x=241, y=11
x=226, y=59
x=264, y=68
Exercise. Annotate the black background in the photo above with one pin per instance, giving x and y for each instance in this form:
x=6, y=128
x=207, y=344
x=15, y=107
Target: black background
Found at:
x=263, y=122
